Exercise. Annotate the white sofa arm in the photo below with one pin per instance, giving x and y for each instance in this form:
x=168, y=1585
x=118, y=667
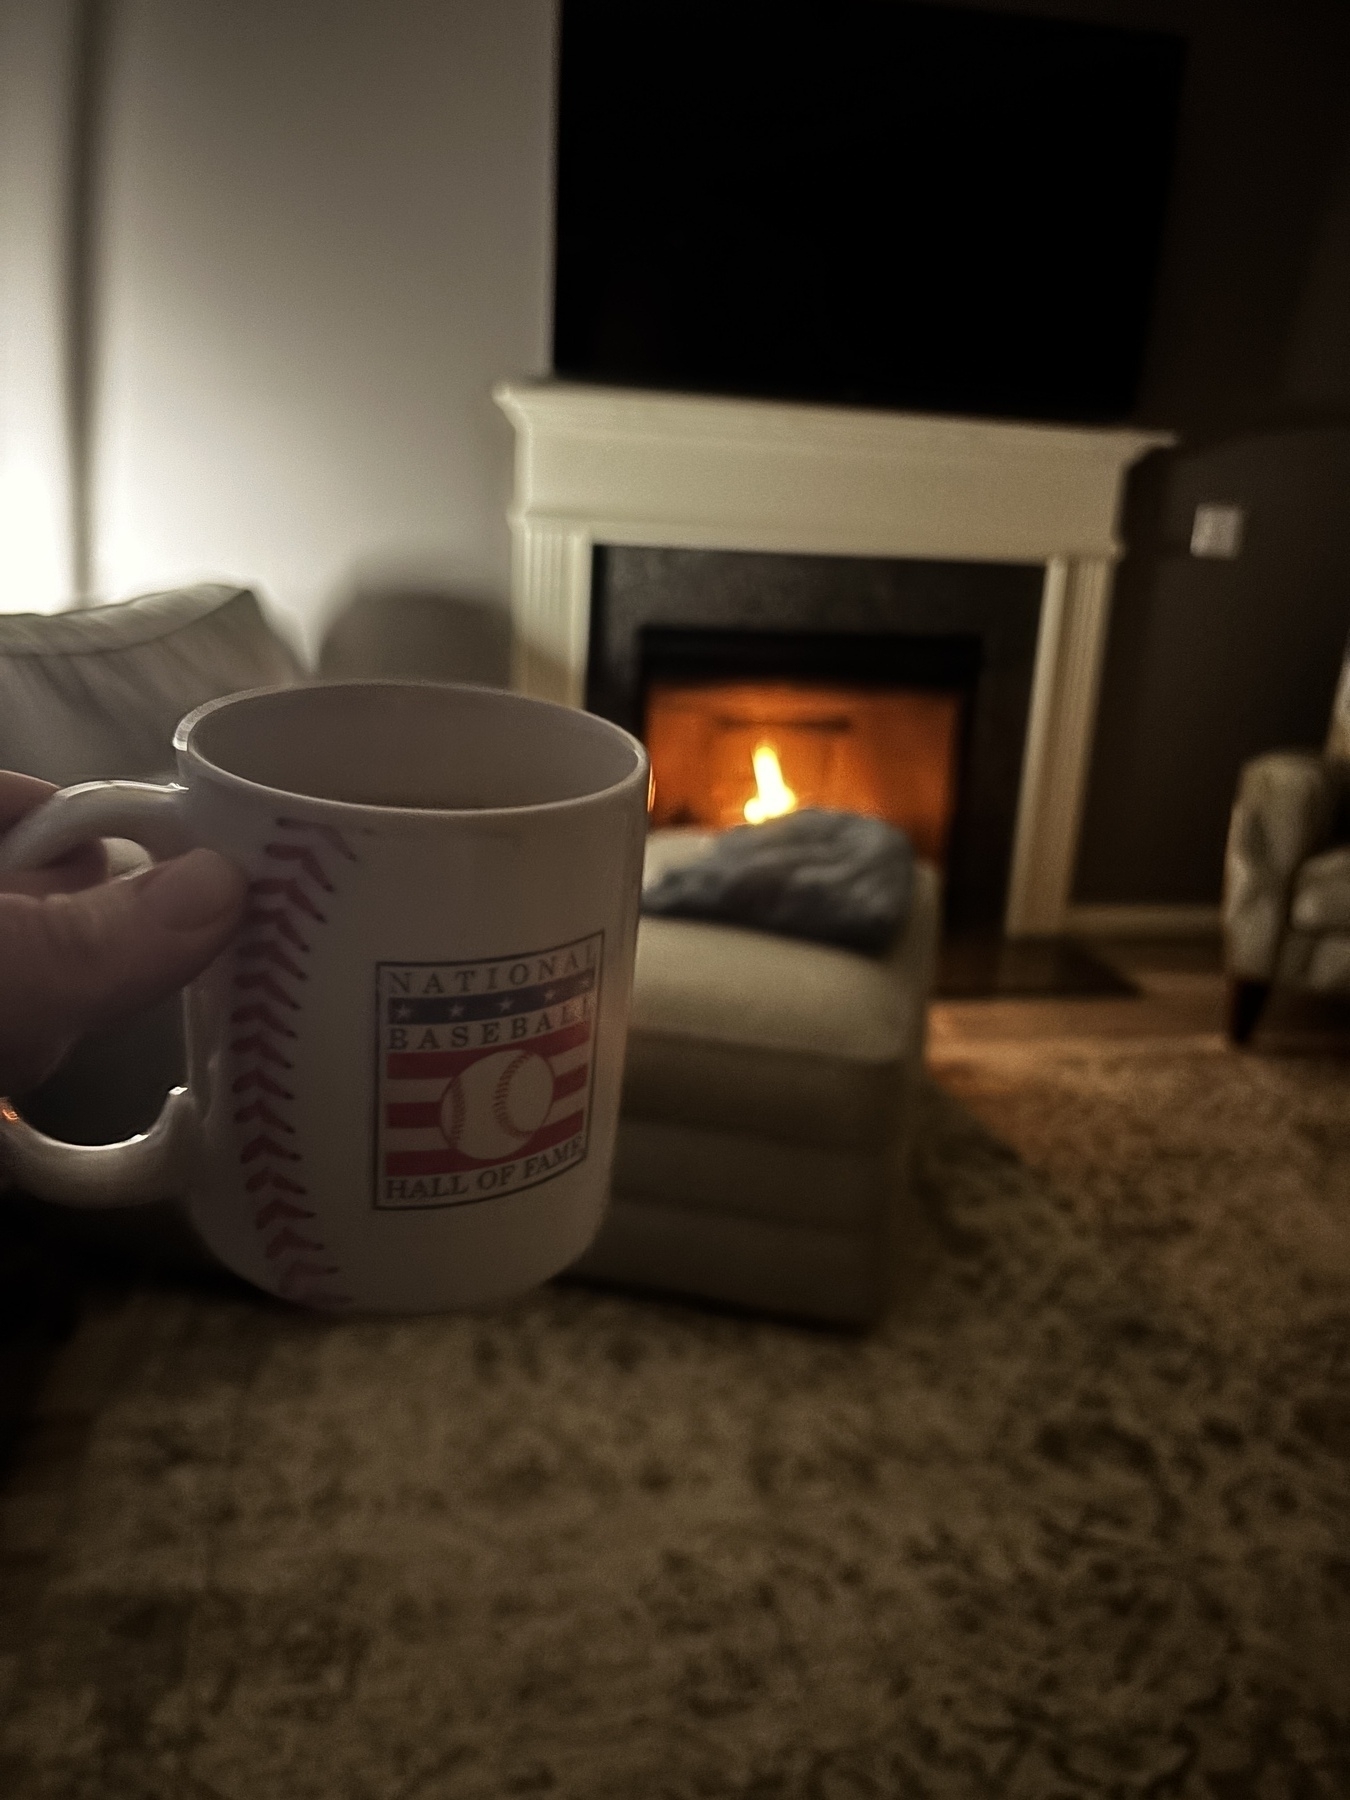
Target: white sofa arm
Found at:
x=1283, y=814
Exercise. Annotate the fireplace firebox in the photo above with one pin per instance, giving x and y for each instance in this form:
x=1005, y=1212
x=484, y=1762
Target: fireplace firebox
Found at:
x=750, y=706
x=745, y=726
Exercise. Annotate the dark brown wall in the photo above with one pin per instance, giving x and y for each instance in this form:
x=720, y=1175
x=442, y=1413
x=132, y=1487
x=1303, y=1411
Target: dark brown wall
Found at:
x=1249, y=362
x=1210, y=661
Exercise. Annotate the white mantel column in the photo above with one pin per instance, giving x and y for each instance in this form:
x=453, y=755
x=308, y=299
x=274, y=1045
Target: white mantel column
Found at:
x=550, y=610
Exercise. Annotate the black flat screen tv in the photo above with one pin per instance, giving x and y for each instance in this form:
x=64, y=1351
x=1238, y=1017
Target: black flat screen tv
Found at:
x=867, y=202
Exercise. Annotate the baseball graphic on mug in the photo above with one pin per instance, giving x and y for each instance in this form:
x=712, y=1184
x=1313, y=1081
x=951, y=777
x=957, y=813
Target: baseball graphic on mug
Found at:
x=495, y=1105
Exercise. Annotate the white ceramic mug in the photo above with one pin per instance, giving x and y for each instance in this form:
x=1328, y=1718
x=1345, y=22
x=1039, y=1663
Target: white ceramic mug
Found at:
x=404, y=1073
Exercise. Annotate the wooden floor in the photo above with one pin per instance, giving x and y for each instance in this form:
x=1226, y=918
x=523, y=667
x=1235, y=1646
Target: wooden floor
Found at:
x=1180, y=998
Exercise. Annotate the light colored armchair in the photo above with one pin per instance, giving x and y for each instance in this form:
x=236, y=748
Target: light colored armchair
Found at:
x=1286, y=906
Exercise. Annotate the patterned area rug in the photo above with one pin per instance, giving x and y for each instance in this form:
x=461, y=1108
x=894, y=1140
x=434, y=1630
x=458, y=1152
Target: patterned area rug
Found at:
x=1072, y=1523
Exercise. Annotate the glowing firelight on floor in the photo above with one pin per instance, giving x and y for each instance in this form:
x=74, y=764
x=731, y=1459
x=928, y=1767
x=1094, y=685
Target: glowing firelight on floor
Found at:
x=774, y=796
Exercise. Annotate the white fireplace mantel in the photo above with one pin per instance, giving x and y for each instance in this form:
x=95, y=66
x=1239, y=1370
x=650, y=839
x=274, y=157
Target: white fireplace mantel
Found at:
x=610, y=466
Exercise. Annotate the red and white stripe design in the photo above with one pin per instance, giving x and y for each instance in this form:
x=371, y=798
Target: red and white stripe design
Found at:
x=435, y=1115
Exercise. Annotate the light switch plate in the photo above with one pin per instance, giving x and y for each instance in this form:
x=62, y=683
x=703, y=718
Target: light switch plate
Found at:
x=1217, y=530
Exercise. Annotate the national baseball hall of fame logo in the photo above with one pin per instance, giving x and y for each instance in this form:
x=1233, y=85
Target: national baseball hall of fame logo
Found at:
x=484, y=1073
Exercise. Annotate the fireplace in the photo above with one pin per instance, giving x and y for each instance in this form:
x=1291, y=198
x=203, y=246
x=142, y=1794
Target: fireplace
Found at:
x=916, y=711
x=905, y=514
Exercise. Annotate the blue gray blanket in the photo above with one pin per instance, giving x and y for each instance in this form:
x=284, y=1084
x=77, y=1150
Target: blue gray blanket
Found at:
x=835, y=877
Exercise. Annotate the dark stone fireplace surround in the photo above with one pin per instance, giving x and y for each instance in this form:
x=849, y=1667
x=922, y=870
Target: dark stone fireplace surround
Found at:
x=996, y=604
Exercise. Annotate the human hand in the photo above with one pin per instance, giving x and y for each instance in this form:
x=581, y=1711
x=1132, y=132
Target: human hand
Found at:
x=77, y=950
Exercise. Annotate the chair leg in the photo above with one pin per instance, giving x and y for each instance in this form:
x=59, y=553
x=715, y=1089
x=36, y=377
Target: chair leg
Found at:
x=1246, y=1003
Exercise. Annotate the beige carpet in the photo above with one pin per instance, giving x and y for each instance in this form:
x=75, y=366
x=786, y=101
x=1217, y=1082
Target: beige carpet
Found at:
x=1073, y=1523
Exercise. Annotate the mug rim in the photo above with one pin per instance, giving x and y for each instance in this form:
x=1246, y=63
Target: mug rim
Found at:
x=639, y=774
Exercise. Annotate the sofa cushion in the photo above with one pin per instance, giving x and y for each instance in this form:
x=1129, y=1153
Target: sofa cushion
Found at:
x=95, y=694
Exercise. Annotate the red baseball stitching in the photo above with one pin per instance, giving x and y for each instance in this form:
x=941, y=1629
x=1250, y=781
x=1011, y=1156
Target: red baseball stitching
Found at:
x=279, y=925
x=453, y=1097
x=500, y=1112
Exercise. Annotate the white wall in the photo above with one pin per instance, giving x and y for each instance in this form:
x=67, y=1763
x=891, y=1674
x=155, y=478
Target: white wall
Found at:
x=325, y=231
x=36, y=47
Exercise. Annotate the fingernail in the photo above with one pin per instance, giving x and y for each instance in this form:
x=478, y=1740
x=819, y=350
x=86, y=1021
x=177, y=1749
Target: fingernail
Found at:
x=191, y=891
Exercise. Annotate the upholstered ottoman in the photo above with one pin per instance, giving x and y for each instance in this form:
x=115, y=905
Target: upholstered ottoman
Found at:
x=768, y=1113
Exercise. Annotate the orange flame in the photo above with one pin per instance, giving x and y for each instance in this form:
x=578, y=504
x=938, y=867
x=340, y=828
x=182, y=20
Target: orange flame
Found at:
x=773, y=797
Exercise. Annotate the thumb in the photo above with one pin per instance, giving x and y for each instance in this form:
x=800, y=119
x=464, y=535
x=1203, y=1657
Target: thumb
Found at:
x=72, y=962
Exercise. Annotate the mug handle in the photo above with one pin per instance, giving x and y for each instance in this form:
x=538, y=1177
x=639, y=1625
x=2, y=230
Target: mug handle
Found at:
x=152, y=1165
